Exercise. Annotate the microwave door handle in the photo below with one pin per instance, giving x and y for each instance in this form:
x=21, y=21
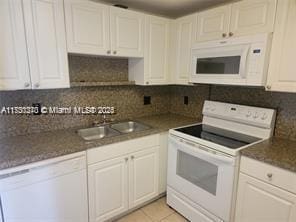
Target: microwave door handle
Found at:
x=203, y=151
x=243, y=64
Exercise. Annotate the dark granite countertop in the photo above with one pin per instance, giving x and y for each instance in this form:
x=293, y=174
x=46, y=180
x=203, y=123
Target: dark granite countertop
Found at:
x=275, y=151
x=20, y=150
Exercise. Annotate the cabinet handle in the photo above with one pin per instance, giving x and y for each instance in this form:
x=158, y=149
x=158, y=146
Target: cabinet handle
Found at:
x=132, y=157
x=268, y=87
x=109, y=51
x=147, y=83
x=114, y=52
x=37, y=85
x=224, y=35
x=230, y=34
x=126, y=159
x=269, y=175
x=27, y=85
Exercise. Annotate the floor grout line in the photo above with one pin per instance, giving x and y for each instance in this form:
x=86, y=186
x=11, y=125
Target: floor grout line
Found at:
x=147, y=215
x=173, y=211
x=150, y=218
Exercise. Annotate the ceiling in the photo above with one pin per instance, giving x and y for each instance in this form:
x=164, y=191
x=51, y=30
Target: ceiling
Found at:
x=168, y=8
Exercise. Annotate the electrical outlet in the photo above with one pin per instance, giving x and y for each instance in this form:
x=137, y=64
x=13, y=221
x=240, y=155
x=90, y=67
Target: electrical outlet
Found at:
x=147, y=100
x=186, y=100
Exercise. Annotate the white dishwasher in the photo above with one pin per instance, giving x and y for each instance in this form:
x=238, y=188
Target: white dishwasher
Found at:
x=54, y=190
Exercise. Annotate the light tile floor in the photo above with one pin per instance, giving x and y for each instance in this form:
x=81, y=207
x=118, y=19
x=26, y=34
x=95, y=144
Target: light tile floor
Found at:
x=157, y=211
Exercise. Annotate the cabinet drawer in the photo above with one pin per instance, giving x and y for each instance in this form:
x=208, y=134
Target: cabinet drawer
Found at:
x=122, y=148
x=268, y=173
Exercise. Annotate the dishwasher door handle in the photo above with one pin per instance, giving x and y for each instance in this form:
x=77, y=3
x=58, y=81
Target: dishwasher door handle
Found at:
x=1, y=210
x=17, y=173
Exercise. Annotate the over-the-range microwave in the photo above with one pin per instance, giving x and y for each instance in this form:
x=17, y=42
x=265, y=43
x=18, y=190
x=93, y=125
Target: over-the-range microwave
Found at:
x=234, y=61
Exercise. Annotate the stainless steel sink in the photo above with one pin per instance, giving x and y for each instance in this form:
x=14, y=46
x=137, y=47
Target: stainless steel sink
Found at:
x=99, y=132
x=129, y=127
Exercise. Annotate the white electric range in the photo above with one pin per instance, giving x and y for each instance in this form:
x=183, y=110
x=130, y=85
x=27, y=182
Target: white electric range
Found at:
x=203, y=159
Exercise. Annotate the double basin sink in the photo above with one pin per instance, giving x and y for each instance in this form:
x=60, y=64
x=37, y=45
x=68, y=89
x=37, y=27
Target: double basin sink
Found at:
x=110, y=130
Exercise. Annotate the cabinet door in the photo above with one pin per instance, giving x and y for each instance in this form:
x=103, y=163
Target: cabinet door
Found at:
x=258, y=201
x=213, y=24
x=108, y=189
x=143, y=176
x=46, y=40
x=87, y=25
x=163, y=161
x=281, y=74
x=14, y=67
x=185, y=28
x=156, y=50
x=127, y=32
x=252, y=16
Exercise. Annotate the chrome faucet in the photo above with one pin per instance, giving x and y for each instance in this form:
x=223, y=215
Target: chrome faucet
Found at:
x=104, y=119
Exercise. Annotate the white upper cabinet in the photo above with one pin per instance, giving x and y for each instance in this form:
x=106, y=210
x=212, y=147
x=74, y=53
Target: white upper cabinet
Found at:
x=14, y=66
x=97, y=29
x=126, y=28
x=46, y=40
x=242, y=18
x=252, y=16
x=153, y=69
x=213, y=24
x=281, y=74
x=182, y=32
x=156, y=49
x=87, y=25
x=33, y=51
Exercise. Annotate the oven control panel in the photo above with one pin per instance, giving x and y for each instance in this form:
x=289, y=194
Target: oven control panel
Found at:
x=245, y=114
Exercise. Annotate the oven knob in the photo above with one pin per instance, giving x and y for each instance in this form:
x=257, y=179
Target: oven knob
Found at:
x=255, y=115
x=248, y=114
x=264, y=116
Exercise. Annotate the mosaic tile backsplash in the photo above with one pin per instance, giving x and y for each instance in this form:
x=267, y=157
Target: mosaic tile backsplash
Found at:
x=128, y=100
x=97, y=69
x=284, y=103
x=129, y=103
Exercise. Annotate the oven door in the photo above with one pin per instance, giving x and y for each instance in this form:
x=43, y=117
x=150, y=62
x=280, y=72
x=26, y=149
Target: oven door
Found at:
x=220, y=65
x=205, y=177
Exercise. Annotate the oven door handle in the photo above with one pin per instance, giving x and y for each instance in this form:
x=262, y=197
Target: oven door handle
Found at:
x=202, y=151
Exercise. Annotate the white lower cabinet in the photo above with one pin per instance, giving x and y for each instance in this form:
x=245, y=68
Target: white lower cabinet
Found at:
x=143, y=176
x=264, y=194
x=108, y=188
x=258, y=201
x=163, y=161
x=122, y=176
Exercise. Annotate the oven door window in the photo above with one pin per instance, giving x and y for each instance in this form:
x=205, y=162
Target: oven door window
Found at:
x=197, y=171
x=229, y=65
